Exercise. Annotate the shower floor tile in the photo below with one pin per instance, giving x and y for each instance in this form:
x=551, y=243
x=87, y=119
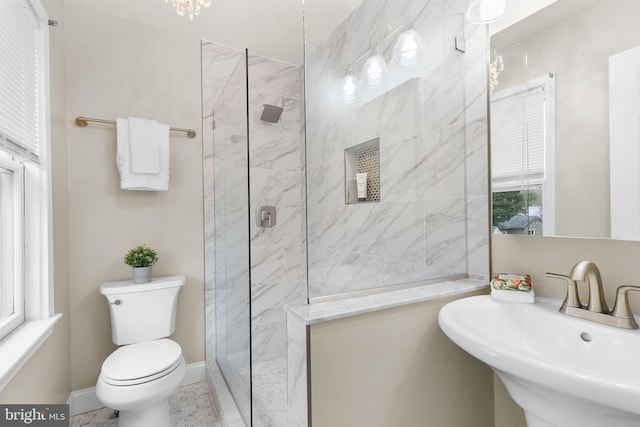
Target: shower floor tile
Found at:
x=269, y=392
x=191, y=406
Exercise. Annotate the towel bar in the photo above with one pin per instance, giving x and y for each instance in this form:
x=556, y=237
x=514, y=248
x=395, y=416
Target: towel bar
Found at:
x=84, y=121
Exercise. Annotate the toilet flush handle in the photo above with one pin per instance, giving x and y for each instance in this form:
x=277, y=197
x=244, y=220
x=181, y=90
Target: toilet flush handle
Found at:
x=116, y=302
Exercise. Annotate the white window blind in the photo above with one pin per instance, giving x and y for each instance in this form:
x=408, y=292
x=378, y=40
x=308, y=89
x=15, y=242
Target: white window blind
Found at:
x=518, y=137
x=26, y=290
x=20, y=84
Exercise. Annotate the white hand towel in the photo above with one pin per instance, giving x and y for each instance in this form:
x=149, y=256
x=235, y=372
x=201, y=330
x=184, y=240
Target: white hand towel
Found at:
x=130, y=180
x=144, y=145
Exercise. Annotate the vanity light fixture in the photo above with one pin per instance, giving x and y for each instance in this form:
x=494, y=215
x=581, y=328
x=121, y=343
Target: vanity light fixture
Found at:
x=349, y=88
x=189, y=7
x=485, y=11
x=374, y=71
x=408, y=50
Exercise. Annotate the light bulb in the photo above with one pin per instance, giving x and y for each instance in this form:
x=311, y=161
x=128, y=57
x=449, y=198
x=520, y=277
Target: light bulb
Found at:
x=408, y=50
x=374, y=71
x=349, y=88
x=485, y=11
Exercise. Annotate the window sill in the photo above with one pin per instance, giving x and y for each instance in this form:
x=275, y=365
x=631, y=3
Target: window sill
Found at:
x=19, y=346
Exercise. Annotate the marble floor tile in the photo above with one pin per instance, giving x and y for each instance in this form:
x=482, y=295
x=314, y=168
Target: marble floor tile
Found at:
x=191, y=406
x=269, y=392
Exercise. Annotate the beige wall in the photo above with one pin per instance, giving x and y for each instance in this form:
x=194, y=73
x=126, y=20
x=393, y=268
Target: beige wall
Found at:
x=46, y=376
x=111, y=68
x=269, y=28
x=616, y=259
x=118, y=68
x=507, y=412
x=517, y=10
x=396, y=368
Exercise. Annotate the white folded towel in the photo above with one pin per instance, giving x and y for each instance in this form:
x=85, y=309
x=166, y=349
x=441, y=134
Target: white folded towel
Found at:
x=514, y=296
x=144, y=145
x=130, y=179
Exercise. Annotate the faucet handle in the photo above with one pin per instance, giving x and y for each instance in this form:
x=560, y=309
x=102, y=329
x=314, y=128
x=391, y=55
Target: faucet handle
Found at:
x=571, y=299
x=622, y=310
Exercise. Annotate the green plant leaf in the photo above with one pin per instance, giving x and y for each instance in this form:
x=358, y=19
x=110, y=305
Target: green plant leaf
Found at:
x=141, y=256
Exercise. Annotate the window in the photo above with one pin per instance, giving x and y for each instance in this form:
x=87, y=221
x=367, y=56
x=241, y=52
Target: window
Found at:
x=522, y=142
x=11, y=247
x=26, y=297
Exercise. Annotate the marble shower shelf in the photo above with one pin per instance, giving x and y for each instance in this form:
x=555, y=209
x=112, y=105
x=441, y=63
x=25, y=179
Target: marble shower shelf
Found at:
x=320, y=312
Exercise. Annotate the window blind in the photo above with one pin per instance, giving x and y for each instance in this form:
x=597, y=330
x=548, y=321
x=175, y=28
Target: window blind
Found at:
x=19, y=82
x=517, y=137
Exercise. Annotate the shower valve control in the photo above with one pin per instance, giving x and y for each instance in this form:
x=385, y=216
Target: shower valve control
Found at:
x=266, y=216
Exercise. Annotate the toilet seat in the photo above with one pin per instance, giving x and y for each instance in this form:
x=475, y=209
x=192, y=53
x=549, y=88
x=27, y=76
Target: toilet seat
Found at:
x=141, y=362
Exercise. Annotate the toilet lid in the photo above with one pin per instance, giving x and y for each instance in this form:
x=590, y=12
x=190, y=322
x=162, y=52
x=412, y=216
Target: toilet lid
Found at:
x=142, y=360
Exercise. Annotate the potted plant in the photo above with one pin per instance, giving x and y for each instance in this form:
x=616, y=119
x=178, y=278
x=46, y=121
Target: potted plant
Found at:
x=141, y=258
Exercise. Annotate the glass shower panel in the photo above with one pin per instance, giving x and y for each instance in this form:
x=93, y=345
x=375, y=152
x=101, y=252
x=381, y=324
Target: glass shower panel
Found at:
x=231, y=217
x=246, y=337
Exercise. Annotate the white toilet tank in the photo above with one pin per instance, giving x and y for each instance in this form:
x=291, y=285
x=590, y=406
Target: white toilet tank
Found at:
x=142, y=312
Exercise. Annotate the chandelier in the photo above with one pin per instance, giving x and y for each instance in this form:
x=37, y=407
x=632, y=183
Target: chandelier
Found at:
x=495, y=68
x=189, y=7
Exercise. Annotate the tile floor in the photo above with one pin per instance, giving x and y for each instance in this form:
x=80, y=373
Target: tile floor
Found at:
x=269, y=392
x=191, y=406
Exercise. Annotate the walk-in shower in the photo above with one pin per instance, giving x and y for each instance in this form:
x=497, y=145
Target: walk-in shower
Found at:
x=420, y=121
x=253, y=158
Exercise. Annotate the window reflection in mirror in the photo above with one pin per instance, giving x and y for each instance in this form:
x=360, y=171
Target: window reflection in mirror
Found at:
x=523, y=142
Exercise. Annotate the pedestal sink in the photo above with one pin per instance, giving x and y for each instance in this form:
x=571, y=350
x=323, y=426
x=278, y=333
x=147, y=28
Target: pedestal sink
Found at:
x=563, y=371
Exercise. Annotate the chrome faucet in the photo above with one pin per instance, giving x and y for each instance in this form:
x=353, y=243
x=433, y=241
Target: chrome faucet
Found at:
x=596, y=309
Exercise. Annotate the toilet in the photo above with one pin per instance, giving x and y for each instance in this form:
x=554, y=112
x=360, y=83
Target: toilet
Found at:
x=138, y=378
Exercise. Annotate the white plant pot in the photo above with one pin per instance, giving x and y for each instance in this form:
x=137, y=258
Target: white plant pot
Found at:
x=141, y=274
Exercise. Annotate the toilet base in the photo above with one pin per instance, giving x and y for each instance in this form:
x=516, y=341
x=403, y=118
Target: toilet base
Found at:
x=157, y=415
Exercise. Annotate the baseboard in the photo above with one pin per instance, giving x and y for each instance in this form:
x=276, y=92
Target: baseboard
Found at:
x=196, y=372
x=85, y=400
x=81, y=401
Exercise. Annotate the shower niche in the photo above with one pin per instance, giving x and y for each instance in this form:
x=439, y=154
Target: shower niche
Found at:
x=363, y=158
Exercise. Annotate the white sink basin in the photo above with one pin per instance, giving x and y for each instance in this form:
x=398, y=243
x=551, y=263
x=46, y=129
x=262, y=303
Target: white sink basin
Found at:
x=562, y=371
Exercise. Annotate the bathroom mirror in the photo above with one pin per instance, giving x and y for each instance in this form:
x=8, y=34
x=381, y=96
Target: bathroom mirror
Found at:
x=561, y=81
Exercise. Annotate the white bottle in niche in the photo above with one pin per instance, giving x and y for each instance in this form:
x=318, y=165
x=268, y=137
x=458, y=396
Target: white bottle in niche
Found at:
x=352, y=191
x=361, y=179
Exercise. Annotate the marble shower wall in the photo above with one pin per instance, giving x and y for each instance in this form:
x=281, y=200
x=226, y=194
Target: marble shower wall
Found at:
x=276, y=158
x=431, y=121
x=276, y=177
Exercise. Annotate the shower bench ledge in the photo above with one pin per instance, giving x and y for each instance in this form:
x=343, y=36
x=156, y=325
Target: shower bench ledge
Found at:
x=318, y=312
